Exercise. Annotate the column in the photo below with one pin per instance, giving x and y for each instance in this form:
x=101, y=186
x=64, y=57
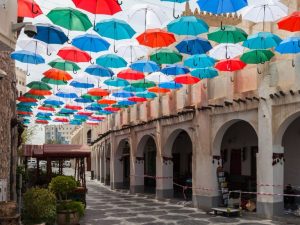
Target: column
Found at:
x=116, y=180
x=102, y=166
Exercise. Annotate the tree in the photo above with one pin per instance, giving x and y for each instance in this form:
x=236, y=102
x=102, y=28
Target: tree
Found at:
x=28, y=133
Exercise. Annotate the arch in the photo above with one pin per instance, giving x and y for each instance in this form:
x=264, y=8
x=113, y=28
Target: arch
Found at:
x=123, y=161
x=122, y=144
x=142, y=143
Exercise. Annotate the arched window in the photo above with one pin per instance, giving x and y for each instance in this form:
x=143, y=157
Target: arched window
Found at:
x=89, y=137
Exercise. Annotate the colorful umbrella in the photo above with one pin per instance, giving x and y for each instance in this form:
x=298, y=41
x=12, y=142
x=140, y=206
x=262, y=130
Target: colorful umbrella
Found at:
x=228, y=34
x=175, y=70
x=90, y=43
x=205, y=73
x=115, y=29
x=221, y=6
x=81, y=84
x=74, y=54
x=132, y=51
x=28, y=8
x=290, y=45
x=137, y=99
x=230, y=65
x=291, y=22
x=199, y=61
x=145, y=66
x=43, y=108
x=170, y=85
x=226, y=51
x=194, y=45
x=159, y=90
x=57, y=74
x=50, y=34
x=70, y=18
x=39, y=97
x=98, y=92
x=186, y=79
x=257, y=56
x=41, y=122
x=116, y=82
x=174, y=1
x=35, y=46
x=156, y=38
x=99, y=71
x=73, y=107
x=122, y=94
x=40, y=92
x=126, y=102
x=166, y=56
x=262, y=40
x=67, y=92
x=26, y=99
x=53, y=100
x=38, y=85
x=64, y=65
x=111, y=61
x=134, y=89
x=158, y=77
x=188, y=25
x=143, y=84
x=146, y=94
x=105, y=101
x=130, y=74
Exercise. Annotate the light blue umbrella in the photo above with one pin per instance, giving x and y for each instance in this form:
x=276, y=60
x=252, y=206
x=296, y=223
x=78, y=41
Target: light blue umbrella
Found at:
x=126, y=103
x=194, y=45
x=75, y=122
x=262, y=40
x=111, y=61
x=221, y=6
x=199, y=61
x=85, y=85
x=67, y=111
x=134, y=89
x=115, y=29
x=146, y=94
x=66, y=94
x=205, y=73
x=145, y=66
x=175, y=70
x=54, y=102
x=290, y=45
x=188, y=25
x=170, y=85
x=104, y=112
x=116, y=82
x=122, y=94
x=94, y=107
x=99, y=71
x=90, y=43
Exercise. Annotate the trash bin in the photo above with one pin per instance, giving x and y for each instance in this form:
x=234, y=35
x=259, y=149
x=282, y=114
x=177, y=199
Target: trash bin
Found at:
x=92, y=174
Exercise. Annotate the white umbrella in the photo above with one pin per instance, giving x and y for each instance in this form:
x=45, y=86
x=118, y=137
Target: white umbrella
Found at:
x=264, y=11
x=132, y=51
x=147, y=14
x=226, y=51
x=35, y=46
x=158, y=77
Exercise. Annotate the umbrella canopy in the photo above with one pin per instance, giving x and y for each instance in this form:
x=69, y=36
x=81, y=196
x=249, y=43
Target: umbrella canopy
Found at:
x=166, y=56
x=257, y=56
x=143, y=84
x=70, y=18
x=262, y=40
x=145, y=66
x=116, y=82
x=27, y=57
x=56, y=74
x=122, y=94
x=159, y=90
x=28, y=8
x=186, y=79
x=132, y=51
x=134, y=89
x=91, y=43
x=230, y=65
x=38, y=85
x=36, y=46
x=188, y=25
x=170, y=85
x=158, y=77
x=26, y=99
x=137, y=99
x=291, y=22
x=205, y=73
x=40, y=92
x=130, y=74
x=64, y=65
x=226, y=51
x=290, y=45
x=146, y=94
x=33, y=96
x=199, y=61
x=53, y=100
x=175, y=70
x=194, y=45
x=99, y=71
x=81, y=84
x=73, y=107
x=221, y=6
x=105, y=101
x=156, y=38
x=74, y=54
x=67, y=92
x=106, y=7
x=228, y=34
x=111, y=61
x=50, y=34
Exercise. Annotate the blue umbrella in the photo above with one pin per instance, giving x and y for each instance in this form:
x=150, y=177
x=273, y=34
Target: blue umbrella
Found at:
x=134, y=89
x=205, y=73
x=99, y=71
x=122, y=94
x=44, y=114
x=170, y=85
x=53, y=102
x=221, y=6
x=90, y=43
x=94, y=107
x=126, y=102
x=67, y=111
x=43, y=118
x=262, y=40
x=194, y=46
x=104, y=112
x=115, y=29
x=26, y=104
x=77, y=84
x=83, y=100
x=116, y=82
x=146, y=94
x=80, y=117
x=175, y=70
x=188, y=25
x=145, y=66
x=111, y=61
x=66, y=94
x=290, y=45
x=50, y=34
x=199, y=61
x=75, y=122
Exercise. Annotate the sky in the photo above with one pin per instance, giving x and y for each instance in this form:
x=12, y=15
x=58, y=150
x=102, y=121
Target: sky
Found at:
x=129, y=14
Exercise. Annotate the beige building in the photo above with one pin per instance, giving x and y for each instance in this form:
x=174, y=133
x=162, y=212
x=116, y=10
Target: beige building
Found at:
x=20, y=81
x=59, y=133
x=245, y=124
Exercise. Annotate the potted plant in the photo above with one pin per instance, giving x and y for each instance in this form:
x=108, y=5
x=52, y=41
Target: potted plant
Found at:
x=68, y=211
x=39, y=207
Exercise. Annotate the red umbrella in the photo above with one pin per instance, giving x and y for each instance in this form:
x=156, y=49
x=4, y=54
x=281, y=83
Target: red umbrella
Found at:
x=107, y=101
x=56, y=74
x=158, y=90
x=92, y=123
x=73, y=107
x=137, y=99
x=290, y=22
x=62, y=120
x=112, y=109
x=98, y=92
x=186, y=79
x=230, y=65
x=85, y=113
x=44, y=108
x=98, y=117
x=130, y=74
x=24, y=113
x=28, y=8
x=25, y=99
x=42, y=121
x=39, y=92
x=156, y=38
x=107, y=7
x=74, y=54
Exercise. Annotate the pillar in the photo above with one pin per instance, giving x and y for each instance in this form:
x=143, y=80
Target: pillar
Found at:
x=102, y=166
x=107, y=165
x=116, y=180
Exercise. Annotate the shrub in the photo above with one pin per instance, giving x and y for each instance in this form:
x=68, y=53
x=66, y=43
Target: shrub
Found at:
x=72, y=206
x=39, y=206
x=62, y=186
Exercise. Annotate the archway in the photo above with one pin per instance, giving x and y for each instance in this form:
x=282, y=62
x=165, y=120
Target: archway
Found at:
x=123, y=156
x=89, y=137
x=150, y=165
x=238, y=149
x=107, y=164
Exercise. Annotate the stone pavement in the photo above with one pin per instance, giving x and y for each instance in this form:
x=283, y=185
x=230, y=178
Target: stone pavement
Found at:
x=107, y=207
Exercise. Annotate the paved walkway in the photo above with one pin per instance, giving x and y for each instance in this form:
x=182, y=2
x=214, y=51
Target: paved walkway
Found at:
x=107, y=207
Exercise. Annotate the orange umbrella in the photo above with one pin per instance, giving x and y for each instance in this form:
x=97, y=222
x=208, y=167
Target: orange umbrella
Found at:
x=73, y=107
x=57, y=74
x=25, y=99
x=156, y=38
x=98, y=92
x=39, y=92
x=107, y=101
x=186, y=79
x=158, y=90
x=28, y=8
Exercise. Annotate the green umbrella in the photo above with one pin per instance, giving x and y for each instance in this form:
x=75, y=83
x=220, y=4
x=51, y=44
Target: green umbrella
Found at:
x=228, y=34
x=257, y=56
x=120, y=106
x=38, y=85
x=166, y=56
x=88, y=96
x=70, y=18
x=143, y=84
x=64, y=65
x=52, y=81
x=39, y=97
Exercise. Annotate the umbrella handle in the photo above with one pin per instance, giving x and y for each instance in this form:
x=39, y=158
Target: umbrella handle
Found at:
x=115, y=50
x=175, y=17
x=258, y=71
x=74, y=71
x=222, y=27
x=194, y=62
x=119, y=2
x=48, y=53
x=293, y=63
x=69, y=42
x=92, y=62
x=187, y=48
x=32, y=10
x=27, y=74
